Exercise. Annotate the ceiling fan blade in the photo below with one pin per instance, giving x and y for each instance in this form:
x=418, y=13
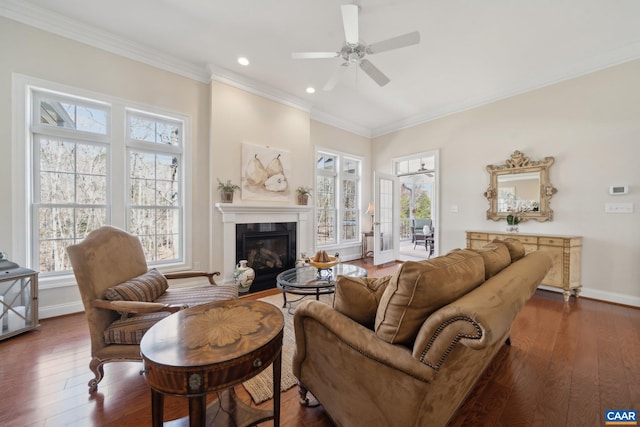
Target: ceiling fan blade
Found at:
x=373, y=72
x=395, y=43
x=314, y=55
x=350, y=22
x=331, y=83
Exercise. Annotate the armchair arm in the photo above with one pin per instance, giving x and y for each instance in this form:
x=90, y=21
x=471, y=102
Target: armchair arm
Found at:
x=136, y=307
x=188, y=274
x=359, y=340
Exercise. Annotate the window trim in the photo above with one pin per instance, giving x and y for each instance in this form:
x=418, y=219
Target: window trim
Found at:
x=23, y=87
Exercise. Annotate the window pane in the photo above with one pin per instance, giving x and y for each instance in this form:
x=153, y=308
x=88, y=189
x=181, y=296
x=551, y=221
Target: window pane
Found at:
x=142, y=221
x=326, y=162
x=349, y=225
x=167, y=167
x=57, y=187
x=149, y=247
x=168, y=247
x=56, y=155
x=91, y=190
x=91, y=159
x=69, y=115
x=89, y=219
x=56, y=223
x=143, y=165
x=350, y=167
x=168, y=221
x=349, y=194
x=156, y=130
x=167, y=194
x=325, y=189
x=53, y=255
x=143, y=192
x=326, y=226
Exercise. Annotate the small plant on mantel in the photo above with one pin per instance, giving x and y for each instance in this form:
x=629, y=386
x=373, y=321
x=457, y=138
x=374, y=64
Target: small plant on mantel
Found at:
x=226, y=190
x=303, y=194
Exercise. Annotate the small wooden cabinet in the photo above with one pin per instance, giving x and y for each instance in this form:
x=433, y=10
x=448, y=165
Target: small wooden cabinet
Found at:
x=566, y=252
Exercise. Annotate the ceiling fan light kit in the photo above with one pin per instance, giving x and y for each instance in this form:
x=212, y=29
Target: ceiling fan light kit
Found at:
x=354, y=50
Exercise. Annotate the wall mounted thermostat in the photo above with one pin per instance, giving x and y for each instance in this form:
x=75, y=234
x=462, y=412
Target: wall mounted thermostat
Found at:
x=618, y=189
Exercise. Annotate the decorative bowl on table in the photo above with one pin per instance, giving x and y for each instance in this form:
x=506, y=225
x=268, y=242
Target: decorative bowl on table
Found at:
x=326, y=264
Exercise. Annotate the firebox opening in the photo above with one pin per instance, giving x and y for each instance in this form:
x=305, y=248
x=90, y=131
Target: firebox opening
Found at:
x=269, y=248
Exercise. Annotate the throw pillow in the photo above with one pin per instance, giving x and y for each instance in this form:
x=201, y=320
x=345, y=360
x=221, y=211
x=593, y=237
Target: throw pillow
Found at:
x=358, y=297
x=515, y=246
x=495, y=256
x=417, y=289
x=146, y=287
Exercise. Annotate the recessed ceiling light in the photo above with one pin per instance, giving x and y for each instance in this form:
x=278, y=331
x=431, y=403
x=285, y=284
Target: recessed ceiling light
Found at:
x=311, y=89
x=243, y=61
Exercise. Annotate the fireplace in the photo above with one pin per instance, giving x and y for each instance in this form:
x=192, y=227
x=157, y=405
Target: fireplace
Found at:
x=269, y=248
x=234, y=214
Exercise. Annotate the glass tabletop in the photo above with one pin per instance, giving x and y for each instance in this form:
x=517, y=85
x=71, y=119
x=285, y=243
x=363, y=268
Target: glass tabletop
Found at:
x=314, y=278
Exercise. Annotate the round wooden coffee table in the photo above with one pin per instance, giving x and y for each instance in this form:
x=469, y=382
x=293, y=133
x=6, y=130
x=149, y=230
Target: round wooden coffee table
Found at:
x=210, y=348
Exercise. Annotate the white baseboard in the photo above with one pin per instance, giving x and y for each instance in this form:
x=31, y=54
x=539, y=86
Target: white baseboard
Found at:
x=60, y=309
x=599, y=295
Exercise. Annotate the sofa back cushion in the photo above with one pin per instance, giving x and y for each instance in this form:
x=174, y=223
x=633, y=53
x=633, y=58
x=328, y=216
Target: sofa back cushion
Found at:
x=146, y=287
x=417, y=289
x=515, y=246
x=358, y=297
x=495, y=256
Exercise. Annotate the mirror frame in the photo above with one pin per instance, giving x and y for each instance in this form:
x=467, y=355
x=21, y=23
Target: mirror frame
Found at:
x=519, y=163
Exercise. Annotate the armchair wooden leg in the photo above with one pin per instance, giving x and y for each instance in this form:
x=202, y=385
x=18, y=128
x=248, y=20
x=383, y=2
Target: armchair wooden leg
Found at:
x=97, y=367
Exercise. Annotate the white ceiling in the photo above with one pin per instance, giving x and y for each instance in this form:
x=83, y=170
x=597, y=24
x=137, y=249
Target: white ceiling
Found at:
x=471, y=53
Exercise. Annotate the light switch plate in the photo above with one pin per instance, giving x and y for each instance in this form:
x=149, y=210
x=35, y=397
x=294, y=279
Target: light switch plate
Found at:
x=618, y=207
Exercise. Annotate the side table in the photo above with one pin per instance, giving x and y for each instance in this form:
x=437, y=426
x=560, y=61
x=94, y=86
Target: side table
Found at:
x=211, y=348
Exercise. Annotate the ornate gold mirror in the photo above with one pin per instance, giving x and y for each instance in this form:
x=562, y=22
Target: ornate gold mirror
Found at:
x=520, y=187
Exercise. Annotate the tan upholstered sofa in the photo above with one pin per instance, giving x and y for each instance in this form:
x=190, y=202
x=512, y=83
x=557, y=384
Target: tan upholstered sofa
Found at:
x=405, y=350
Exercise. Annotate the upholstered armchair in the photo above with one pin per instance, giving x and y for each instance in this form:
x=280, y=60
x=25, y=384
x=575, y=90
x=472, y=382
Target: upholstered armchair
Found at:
x=122, y=298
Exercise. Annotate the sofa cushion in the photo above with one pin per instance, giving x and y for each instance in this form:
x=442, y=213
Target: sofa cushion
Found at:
x=130, y=330
x=146, y=287
x=358, y=297
x=495, y=256
x=515, y=246
x=418, y=289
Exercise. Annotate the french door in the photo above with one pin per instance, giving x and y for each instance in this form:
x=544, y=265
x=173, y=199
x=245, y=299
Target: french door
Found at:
x=386, y=230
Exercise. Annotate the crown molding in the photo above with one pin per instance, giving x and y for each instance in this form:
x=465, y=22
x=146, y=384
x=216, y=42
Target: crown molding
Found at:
x=55, y=23
x=337, y=122
x=247, y=84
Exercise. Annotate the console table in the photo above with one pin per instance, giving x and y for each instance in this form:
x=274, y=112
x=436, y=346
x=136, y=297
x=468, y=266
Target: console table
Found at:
x=565, y=251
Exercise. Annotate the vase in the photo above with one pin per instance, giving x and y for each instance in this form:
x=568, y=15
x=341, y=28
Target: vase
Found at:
x=243, y=276
x=226, y=196
x=512, y=228
x=303, y=199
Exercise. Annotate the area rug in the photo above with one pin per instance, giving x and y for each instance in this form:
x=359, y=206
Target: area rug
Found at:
x=260, y=387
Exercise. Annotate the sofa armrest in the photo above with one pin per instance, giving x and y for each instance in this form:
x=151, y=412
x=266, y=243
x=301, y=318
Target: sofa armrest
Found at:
x=361, y=341
x=189, y=274
x=483, y=316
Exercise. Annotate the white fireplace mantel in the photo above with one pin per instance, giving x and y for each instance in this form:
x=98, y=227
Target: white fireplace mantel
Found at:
x=239, y=213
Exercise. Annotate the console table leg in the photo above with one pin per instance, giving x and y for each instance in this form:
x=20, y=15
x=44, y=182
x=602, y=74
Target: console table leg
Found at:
x=157, y=408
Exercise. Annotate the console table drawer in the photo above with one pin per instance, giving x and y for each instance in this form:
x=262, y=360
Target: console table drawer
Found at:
x=550, y=241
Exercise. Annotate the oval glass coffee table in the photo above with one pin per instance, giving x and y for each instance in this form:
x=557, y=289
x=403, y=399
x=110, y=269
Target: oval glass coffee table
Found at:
x=311, y=281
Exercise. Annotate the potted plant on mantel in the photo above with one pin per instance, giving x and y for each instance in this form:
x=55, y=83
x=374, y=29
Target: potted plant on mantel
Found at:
x=226, y=190
x=303, y=195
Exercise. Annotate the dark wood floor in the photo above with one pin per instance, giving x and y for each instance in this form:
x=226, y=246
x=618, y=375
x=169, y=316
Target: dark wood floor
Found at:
x=567, y=364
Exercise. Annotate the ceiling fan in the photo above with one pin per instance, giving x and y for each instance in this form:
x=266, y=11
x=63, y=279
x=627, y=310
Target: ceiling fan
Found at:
x=355, y=50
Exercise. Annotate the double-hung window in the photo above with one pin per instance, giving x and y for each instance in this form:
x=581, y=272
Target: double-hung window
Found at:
x=84, y=176
x=337, y=198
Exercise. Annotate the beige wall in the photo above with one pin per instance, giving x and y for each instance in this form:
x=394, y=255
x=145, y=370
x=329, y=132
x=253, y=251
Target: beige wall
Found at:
x=591, y=125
